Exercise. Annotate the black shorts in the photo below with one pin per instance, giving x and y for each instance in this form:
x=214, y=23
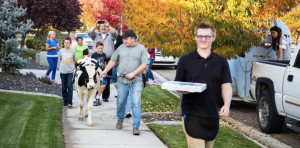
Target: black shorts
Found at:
x=201, y=128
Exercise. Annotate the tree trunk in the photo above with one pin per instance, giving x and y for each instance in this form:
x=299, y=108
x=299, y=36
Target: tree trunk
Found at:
x=23, y=40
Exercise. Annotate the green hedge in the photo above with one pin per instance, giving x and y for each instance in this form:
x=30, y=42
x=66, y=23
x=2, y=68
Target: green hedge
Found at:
x=40, y=38
x=29, y=43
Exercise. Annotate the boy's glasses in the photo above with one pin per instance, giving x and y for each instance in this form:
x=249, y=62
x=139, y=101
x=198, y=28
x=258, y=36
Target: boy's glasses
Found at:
x=206, y=37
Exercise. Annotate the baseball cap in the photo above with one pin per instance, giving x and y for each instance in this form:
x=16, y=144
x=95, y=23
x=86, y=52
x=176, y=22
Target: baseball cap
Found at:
x=129, y=33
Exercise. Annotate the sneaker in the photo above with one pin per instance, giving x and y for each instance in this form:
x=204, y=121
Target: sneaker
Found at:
x=119, y=124
x=97, y=102
x=147, y=82
x=70, y=105
x=105, y=99
x=128, y=115
x=136, y=131
x=153, y=82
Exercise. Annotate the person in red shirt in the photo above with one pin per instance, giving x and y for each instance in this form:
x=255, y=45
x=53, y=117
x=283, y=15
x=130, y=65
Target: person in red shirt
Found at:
x=151, y=51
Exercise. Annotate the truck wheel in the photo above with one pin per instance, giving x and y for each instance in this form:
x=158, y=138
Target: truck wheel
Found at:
x=268, y=119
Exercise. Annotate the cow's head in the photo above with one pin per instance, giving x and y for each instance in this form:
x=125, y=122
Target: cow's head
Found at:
x=90, y=68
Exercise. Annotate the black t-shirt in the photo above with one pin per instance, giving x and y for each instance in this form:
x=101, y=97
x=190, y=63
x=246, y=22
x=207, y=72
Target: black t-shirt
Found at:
x=118, y=42
x=101, y=58
x=214, y=71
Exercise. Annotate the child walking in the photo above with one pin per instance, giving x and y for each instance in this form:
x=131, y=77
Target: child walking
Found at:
x=67, y=66
x=100, y=56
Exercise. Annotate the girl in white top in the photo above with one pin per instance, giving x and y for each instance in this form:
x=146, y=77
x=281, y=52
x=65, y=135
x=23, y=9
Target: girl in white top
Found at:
x=72, y=36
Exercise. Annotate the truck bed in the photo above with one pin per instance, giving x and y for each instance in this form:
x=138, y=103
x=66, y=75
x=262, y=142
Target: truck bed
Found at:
x=283, y=63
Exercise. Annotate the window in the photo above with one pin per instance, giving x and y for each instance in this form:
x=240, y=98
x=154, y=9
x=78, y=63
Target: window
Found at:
x=297, y=61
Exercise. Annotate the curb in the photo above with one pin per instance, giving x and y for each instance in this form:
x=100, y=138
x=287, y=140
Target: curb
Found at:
x=30, y=93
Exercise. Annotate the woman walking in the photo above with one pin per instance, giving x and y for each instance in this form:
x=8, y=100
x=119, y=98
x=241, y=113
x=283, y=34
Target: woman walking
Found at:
x=52, y=45
x=151, y=61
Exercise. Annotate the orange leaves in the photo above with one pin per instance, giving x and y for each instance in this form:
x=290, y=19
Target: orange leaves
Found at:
x=163, y=24
x=89, y=7
x=169, y=24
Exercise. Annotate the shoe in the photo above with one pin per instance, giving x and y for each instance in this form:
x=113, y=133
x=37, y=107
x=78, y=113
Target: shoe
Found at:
x=116, y=96
x=119, y=124
x=128, y=115
x=97, y=102
x=153, y=82
x=105, y=99
x=136, y=131
x=54, y=82
x=70, y=105
x=147, y=82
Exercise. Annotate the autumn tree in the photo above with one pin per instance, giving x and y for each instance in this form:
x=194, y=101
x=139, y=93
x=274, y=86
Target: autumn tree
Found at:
x=292, y=19
x=113, y=12
x=169, y=24
x=90, y=8
x=59, y=14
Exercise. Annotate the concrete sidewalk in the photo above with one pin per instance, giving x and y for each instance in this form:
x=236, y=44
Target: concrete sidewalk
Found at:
x=103, y=133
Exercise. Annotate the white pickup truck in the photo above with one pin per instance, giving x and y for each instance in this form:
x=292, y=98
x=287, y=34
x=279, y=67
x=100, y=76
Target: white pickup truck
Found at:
x=275, y=85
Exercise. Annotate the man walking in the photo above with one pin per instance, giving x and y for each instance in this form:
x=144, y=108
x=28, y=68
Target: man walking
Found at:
x=107, y=35
x=200, y=110
x=132, y=59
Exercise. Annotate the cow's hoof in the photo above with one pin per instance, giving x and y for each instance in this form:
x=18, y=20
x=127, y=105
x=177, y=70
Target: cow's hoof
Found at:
x=86, y=115
x=80, y=118
x=90, y=125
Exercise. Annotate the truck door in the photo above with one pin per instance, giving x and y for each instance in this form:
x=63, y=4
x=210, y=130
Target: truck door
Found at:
x=291, y=88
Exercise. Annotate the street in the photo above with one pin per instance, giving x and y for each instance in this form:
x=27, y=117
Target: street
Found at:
x=245, y=113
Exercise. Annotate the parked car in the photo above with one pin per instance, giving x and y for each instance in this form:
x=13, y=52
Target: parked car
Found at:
x=164, y=61
x=275, y=87
x=86, y=39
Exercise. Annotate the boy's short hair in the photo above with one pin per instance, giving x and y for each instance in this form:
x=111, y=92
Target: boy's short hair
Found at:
x=79, y=37
x=99, y=44
x=205, y=25
x=68, y=38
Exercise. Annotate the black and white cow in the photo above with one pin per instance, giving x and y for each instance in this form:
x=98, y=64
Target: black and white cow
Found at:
x=87, y=82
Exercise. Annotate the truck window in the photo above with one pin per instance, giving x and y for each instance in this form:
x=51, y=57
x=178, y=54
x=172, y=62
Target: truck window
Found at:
x=297, y=61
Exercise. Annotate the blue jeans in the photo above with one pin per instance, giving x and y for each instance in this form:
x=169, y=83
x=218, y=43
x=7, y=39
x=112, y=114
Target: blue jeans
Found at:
x=149, y=72
x=114, y=77
x=129, y=103
x=123, y=92
x=52, y=61
x=67, y=88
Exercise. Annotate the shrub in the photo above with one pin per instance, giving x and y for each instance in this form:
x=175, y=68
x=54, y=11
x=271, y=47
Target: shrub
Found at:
x=39, y=42
x=29, y=43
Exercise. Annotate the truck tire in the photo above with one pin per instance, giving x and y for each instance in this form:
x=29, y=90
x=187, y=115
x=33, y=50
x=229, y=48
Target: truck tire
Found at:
x=268, y=119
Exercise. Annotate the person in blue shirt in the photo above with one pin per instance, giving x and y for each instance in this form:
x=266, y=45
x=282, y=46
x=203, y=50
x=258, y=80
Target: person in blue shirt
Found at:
x=52, y=45
x=100, y=56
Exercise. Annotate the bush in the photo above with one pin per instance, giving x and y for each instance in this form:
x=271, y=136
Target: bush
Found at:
x=29, y=43
x=39, y=42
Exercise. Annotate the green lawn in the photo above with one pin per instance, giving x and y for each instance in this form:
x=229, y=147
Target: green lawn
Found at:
x=155, y=99
x=29, y=53
x=174, y=137
x=27, y=36
x=30, y=121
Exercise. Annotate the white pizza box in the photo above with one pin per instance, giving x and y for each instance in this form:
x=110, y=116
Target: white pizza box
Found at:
x=184, y=86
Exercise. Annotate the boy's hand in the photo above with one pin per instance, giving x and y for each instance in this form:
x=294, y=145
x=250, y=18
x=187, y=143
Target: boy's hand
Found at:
x=183, y=92
x=130, y=76
x=103, y=74
x=224, y=112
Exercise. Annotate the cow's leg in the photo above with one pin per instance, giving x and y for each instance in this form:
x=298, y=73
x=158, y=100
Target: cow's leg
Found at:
x=86, y=105
x=90, y=109
x=80, y=97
